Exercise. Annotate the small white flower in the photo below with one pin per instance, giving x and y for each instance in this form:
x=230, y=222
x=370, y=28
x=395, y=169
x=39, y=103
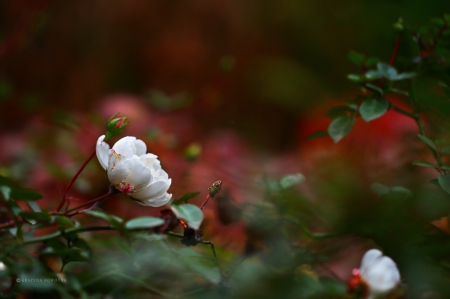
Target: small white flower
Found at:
x=134, y=172
x=380, y=273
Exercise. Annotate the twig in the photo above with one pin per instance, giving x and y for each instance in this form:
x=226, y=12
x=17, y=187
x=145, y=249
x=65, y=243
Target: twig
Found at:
x=69, y=185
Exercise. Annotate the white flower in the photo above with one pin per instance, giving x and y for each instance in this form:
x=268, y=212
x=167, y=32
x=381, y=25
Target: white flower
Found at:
x=134, y=172
x=380, y=273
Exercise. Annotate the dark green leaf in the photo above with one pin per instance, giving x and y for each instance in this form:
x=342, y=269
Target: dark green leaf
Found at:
x=445, y=150
x=424, y=164
x=372, y=61
x=427, y=141
x=340, y=127
x=438, y=21
x=64, y=221
x=374, y=88
x=355, y=78
x=143, y=222
x=405, y=193
x=113, y=220
x=190, y=213
x=33, y=206
x=356, y=57
x=435, y=182
x=185, y=198
x=16, y=192
x=379, y=189
x=291, y=180
x=34, y=217
x=444, y=182
x=318, y=134
x=371, y=109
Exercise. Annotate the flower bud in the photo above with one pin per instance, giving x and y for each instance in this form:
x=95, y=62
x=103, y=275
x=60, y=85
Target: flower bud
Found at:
x=398, y=26
x=215, y=188
x=116, y=126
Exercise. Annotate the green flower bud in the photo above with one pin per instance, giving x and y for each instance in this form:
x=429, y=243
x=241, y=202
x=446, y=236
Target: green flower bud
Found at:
x=116, y=126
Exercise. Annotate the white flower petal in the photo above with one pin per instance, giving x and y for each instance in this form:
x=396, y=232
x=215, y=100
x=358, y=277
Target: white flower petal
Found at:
x=125, y=146
x=118, y=168
x=370, y=256
x=155, y=189
x=157, y=201
x=379, y=272
x=141, y=147
x=102, y=150
x=139, y=176
x=149, y=160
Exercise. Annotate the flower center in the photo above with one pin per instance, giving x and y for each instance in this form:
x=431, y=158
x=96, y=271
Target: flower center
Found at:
x=126, y=189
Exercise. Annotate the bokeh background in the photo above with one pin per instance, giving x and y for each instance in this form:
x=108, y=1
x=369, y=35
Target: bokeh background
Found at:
x=223, y=90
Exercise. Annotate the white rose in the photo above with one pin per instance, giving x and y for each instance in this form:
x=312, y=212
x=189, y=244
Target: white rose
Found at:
x=134, y=172
x=380, y=273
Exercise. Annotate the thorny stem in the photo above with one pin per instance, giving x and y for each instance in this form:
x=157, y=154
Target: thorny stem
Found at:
x=69, y=185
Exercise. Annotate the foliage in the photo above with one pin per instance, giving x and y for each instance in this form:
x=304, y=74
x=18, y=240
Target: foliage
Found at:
x=290, y=238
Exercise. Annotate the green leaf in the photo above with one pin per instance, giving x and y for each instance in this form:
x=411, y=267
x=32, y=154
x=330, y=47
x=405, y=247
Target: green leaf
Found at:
x=371, y=109
x=185, y=198
x=424, y=164
x=144, y=222
x=113, y=220
x=382, y=190
x=6, y=192
x=356, y=57
x=405, y=193
x=437, y=21
x=16, y=192
x=374, y=88
x=318, y=134
x=291, y=180
x=379, y=189
x=190, y=213
x=403, y=76
x=338, y=111
x=64, y=221
x=34, y=217
x=445, y=150
x=444, y=182
x=427, y=141
x=372, y=75
x=33, y=206
x=355, y=78
x=340, y=127
x=202, y=265
x=435, y=182
x=387, y=71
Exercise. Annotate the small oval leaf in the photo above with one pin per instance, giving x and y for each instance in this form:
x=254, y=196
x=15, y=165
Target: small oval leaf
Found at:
x=291, y=180
x=371, y=109
x=444, y=182
x=190, y=213
x=340, y=127
x=143, y=222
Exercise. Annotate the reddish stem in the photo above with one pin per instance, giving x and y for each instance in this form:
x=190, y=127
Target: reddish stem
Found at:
x=69, y=185
x=93, y=201
x=208, y=197
x=395, y=51
x=7, y=224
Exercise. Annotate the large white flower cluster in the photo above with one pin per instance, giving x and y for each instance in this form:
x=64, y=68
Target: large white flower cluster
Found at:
x=134, y=172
